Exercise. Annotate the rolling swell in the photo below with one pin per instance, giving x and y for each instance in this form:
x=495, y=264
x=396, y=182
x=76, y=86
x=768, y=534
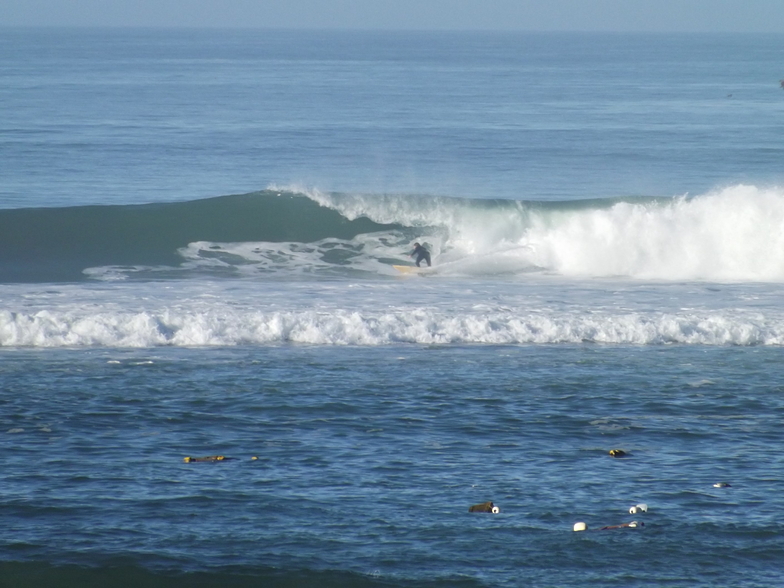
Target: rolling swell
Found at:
x=58, y=244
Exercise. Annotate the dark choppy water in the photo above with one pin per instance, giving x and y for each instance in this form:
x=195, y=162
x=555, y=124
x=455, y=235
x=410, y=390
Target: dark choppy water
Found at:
x=369, y=459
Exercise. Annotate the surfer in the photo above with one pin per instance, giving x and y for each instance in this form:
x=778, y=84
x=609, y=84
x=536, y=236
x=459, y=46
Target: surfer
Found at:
x=421, y=254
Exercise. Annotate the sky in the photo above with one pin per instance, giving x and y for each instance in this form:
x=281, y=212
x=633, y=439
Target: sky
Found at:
x=747, y=16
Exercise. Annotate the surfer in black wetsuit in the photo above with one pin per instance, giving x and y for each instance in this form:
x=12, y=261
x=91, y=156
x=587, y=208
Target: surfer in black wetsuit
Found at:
x=421, y=254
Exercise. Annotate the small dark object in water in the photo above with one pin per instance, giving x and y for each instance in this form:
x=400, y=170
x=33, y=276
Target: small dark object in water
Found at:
x=485, y=507
x=209, y=458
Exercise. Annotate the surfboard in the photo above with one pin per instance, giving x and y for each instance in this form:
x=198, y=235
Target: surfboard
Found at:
x=412, y=269
x=407, y=269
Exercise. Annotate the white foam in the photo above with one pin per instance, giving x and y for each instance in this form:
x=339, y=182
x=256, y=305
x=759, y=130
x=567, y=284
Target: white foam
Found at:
x=325, y=257
x=386, y=312
x=732, y=234
x=343, y=326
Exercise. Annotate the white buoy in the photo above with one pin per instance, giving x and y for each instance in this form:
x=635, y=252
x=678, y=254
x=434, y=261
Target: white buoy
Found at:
x=580, y=527
x=496, y=510
x=642, y=507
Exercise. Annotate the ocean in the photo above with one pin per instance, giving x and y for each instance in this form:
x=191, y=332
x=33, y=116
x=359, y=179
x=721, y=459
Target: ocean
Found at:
x=198, y=230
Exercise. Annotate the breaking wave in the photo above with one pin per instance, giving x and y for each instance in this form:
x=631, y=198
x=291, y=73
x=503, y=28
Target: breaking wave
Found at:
x=734, y=234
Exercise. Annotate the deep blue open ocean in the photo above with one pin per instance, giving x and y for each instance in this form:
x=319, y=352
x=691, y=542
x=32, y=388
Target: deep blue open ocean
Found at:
x=197, y=238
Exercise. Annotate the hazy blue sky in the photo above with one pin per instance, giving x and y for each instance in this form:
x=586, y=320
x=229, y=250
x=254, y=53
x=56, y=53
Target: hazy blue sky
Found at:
x=581, y=15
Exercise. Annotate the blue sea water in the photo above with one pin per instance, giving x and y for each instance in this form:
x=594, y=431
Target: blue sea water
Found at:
x=197, y=238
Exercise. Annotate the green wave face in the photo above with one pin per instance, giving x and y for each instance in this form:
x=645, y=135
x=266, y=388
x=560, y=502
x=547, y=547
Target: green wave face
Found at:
x=58, y=244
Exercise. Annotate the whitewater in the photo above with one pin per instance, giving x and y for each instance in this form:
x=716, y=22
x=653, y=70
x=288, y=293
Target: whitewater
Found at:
x=384, y=314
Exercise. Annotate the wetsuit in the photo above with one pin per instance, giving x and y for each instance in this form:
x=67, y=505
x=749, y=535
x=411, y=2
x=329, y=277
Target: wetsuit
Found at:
x=421, y=253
